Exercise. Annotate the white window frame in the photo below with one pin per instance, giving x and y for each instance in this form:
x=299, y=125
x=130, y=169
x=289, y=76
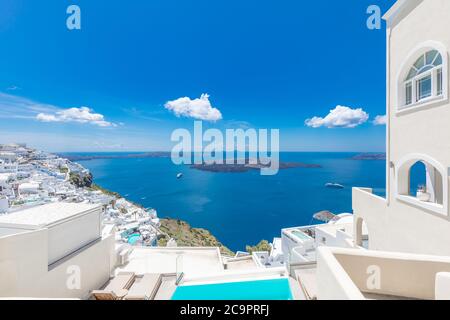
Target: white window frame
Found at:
x=435, y=99
x=416, y=81
x=442, y=89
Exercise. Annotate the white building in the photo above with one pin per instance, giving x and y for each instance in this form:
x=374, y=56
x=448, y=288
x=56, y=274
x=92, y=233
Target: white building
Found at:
x=8, y=167
x=299, y=244
x=408, y=232
x=60, y=250
x=43, y=246
x=338, y=233
x=8, y=156
x=12, y=146
x=29, y=188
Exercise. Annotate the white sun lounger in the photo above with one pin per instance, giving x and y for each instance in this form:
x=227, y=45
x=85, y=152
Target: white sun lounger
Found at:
x=145, y=288
x=117, y=288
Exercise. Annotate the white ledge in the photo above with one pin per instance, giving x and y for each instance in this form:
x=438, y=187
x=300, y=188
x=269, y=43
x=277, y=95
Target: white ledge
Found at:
x=422, y=105
x=434, y=207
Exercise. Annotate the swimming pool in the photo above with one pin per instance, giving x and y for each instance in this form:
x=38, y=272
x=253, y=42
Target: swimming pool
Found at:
x=276, y=289
x=301, y=235
x=134, y=238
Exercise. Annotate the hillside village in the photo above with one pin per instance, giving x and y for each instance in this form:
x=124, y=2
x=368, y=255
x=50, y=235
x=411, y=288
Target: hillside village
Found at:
x=30, y=178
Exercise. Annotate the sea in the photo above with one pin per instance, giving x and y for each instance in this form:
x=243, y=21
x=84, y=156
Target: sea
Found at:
x=241, y=208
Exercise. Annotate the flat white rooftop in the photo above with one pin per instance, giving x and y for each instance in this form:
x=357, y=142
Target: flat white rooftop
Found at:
x=195, y=261
x=45, y=215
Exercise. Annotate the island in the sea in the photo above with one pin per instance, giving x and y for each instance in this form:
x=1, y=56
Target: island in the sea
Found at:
x=240, y=168
x=369, y=156
x=87, y=157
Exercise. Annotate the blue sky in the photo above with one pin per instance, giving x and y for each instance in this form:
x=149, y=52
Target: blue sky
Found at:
x=263, y=63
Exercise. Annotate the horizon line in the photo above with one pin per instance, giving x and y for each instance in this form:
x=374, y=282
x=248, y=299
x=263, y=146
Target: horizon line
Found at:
x=169, y=151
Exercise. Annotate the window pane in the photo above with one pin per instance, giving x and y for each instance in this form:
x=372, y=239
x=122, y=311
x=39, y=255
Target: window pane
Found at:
x=439, y=82
x=424, y=88
x=430, y=56
x=420, y=62
x=411, y=74
x=408, y=93
x=438, y=60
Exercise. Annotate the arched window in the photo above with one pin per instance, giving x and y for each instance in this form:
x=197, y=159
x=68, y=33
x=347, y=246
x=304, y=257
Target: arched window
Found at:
x=423, y=182
x=424, y=79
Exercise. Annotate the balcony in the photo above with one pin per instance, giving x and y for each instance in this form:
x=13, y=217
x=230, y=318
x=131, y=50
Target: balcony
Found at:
x=375, y=275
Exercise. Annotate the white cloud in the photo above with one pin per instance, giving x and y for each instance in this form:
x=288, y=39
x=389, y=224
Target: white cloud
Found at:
x=340, y=117
x=380, y=120
x=46, y=117
x=80, y=115
x=200, y=108
x=16, y=107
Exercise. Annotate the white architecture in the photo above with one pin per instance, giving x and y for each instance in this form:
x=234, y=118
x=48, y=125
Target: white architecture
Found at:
x=7, y=166
x=58, y=240
x=408, y=232
x=8, y=156
x=61, y=250
x=418, y=111
x=54, y=251
x=299, y=244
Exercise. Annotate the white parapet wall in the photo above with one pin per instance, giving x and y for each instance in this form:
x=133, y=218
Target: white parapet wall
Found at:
x=54, y=251
x=370, y=210
x=399, y=228
x=70, y=226
x=351, y=273
x=24, y=269
x=333, y=283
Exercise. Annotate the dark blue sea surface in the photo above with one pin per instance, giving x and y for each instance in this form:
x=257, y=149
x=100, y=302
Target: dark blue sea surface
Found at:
x=241, y=208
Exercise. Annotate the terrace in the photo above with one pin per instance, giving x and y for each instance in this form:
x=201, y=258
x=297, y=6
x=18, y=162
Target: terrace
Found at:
x=351, y=274
x=158, y=273
x=190, y=261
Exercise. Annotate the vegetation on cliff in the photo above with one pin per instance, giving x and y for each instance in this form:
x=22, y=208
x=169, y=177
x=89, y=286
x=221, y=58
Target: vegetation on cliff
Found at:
x=264, y=245
x=186, y=236
x=81, y=181
x=96, y=187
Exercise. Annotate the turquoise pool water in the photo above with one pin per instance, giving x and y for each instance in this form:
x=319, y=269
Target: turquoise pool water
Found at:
x=277, y=289
x=134, y=238
x=301, y=235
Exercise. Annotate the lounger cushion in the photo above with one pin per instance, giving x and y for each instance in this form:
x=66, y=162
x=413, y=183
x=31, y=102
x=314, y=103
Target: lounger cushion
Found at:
x=144, y=288
x=123, y=280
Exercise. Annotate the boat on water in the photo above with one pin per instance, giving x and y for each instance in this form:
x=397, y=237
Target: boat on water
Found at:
x=179, y=176
x=334, y=186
